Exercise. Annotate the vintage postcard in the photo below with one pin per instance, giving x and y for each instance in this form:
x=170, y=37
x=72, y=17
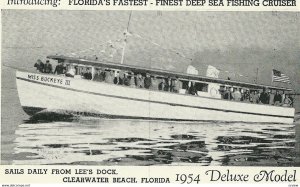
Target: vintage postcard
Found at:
x=151, y=95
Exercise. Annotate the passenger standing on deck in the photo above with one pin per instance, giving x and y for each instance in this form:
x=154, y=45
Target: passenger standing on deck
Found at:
x=264, y=97
x=237, y=95
x=139, y=81
x=120, y=77
x=154, y=83
x=88, y=74
x=227, y=94
x=103, y=74
x=169, y=84
x=71, y=72
x=132, y=81
x=286, y=102
x=162, y=84
x=292, y=100
x=271, y=97
x=251, y=96
x=246, y=96
x=109, y=77
x=126, y=80
x=277, y=99
x=99, y=76
x=177, y=85
x=147, y=81
x=255, y=97
x=192, y=88
x=39, y=65
x=60, y=68
x=48, y=67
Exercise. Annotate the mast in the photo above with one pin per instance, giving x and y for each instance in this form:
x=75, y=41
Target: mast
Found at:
x=125, y=38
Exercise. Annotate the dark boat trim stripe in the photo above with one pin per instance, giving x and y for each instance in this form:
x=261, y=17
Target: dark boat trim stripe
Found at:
x=157, y=102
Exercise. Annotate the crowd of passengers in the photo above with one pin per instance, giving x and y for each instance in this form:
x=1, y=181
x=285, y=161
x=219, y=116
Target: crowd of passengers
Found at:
x=267, y=96
x=114, y=77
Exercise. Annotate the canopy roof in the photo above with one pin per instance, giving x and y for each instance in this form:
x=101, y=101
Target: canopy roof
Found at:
x=160, y=72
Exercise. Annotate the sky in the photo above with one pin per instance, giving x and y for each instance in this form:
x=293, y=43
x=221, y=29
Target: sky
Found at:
x=239, y=44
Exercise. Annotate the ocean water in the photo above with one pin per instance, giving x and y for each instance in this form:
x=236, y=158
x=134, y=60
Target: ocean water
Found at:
x=127, y=142
x=98, y=141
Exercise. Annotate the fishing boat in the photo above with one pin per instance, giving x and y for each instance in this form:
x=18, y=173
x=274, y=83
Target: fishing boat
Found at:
x=75, y=95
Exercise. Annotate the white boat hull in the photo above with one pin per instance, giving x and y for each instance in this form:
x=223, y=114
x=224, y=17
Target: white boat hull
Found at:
x=41, y=91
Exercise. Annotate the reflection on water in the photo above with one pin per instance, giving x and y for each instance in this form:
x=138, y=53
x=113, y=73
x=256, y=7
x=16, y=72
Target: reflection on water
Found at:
x=92, y=141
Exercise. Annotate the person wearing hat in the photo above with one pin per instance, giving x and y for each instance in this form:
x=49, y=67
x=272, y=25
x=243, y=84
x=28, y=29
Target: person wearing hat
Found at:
x=48, y=67
x=39, y=65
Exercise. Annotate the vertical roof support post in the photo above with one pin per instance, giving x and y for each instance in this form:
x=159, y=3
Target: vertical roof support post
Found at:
x=93, y=72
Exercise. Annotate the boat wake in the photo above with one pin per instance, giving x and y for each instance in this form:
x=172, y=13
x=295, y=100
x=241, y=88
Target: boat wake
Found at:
x=48, y=116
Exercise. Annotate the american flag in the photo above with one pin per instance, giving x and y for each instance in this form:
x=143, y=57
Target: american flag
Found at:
x=277, y=76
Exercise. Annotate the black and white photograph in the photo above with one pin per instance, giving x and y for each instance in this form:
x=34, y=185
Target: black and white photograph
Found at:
x=144, y=88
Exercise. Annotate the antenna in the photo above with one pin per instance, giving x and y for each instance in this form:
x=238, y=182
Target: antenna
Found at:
x=125, y=38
